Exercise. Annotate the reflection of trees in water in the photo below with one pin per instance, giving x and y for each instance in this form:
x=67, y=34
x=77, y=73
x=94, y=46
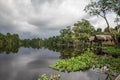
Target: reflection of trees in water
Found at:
x=9, y=43
x=8, y=49
x=66, y=52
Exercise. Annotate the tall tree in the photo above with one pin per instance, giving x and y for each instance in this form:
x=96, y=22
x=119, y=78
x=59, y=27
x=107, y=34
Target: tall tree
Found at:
x=99, y=8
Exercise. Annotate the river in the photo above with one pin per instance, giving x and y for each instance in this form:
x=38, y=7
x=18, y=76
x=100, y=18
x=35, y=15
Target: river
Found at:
x=29, y=64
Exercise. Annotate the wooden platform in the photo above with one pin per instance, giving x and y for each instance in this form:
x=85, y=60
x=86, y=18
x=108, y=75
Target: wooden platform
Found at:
x=118, y=78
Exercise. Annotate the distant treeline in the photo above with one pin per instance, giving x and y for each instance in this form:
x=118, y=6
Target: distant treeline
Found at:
x=8, y=41
x=11, y=43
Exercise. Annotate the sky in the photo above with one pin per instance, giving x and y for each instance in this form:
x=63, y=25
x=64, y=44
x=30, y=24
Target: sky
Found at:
x=45, y=18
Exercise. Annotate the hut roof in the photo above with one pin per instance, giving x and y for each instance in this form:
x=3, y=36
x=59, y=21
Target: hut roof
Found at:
x=103, y=37
x=109, y=37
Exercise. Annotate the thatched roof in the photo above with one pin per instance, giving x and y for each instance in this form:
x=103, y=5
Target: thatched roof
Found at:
x=109, y=37
x=101, y=38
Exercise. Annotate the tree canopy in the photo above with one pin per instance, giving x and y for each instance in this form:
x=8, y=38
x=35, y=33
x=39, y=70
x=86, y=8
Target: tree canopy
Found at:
x=102, y=8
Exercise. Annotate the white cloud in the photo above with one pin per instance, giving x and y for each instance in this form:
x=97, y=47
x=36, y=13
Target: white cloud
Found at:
x=41, y=18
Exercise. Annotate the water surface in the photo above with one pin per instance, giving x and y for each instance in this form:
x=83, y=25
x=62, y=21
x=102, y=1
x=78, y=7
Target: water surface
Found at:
x=29, y=63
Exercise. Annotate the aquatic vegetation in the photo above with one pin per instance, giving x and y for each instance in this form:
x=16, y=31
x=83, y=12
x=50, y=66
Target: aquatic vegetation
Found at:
x=113, y=64
x=51, y=77
x=88, y=60
x=83, y=62
x=112, y=50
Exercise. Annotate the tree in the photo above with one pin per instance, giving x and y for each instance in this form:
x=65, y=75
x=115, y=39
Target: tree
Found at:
x=106, y=29
x=99, y=8
x=65, y=31
x=66, y=35
x=117, y=28
x=83, y=26
x=99, y=30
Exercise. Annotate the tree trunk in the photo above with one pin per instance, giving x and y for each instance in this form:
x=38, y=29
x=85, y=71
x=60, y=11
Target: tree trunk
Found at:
x=115, y=40
x=107, y=23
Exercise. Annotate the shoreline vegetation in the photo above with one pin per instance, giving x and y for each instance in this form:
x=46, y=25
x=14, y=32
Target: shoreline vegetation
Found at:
x=86, y=61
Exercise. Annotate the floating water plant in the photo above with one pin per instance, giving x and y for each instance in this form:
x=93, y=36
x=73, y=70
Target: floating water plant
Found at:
x=112, y=63
x=112, y=50
x=86, y=61
x=83, y=62
x=51, y=77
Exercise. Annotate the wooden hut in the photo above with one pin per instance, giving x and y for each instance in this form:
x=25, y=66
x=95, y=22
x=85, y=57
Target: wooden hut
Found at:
x=99, y=39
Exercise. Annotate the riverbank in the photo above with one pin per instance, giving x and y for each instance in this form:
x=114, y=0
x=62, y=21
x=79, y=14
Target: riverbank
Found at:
x=88, y=60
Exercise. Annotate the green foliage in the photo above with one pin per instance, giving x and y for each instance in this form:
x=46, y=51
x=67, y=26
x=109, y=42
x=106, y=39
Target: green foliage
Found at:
x=84, y=36
x=34, y=43
x=82, y=62
x=65, y=31
x=9, y=43
x=113, y=64
x=99, y=30
x=112, y=50
x=81, y=31
x=51, y=77
x=83, y=26
x=86, y=61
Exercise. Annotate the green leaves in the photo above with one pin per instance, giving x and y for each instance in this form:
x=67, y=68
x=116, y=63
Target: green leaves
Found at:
x=82, y=62
x=51, y=77
x=112, y=50
x=83, y=26
x=112, y=63
x=86, y=61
